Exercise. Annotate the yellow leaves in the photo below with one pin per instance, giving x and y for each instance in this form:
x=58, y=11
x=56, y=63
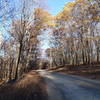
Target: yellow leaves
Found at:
x=51, y=24
x=70, y=4
x=96, y=18
x=62, y=28
x=79, y=1
x=64, y=14
x=41, y=14
x=86, y=20
x=38, y=11
x=43, y=17
x=59, y=15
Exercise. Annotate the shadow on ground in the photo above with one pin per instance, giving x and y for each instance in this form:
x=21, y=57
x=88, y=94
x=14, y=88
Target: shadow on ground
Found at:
x=30, y=87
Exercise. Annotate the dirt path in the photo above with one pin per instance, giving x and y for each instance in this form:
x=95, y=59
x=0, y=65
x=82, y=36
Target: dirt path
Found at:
x=30, y=87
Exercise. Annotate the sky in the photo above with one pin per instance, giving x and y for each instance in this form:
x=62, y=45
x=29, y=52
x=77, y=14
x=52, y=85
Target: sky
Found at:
x=56, y=5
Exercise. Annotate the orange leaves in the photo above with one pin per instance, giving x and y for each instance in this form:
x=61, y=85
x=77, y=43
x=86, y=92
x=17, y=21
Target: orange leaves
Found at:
x=62, y=28
x=96, y=18
x=64, y=14
x=70, y=4
x=42, y=17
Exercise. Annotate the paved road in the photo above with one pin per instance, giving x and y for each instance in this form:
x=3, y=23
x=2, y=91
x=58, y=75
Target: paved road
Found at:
x=70, y=87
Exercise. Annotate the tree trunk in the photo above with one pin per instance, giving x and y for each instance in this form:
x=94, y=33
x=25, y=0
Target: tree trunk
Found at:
x=18, y=60
x=10, y=70
x=97, y=54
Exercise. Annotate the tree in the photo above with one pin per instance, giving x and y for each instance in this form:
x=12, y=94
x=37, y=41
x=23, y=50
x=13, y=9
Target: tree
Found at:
x=75, y=33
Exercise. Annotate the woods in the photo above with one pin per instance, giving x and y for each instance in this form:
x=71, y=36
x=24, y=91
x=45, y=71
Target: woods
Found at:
x=74, y=36
x=19, y=45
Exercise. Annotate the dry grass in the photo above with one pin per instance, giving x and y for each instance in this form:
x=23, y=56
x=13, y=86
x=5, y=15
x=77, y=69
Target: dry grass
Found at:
x=92, y=72
x=30, y=87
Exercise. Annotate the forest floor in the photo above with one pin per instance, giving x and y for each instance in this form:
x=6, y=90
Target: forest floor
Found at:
x=92, y=72
x=31, y=86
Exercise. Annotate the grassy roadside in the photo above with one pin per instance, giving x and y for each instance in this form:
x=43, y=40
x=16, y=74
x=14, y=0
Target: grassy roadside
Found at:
x=92, y=72
x=30, y=87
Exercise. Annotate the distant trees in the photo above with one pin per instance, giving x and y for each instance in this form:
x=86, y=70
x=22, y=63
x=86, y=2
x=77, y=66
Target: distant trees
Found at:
x=76, y=33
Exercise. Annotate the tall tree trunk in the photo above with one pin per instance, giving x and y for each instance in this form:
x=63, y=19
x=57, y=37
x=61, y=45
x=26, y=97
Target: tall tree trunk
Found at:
x=18, y=60
x=11, y=68
x=97, y=54
x=83, y=57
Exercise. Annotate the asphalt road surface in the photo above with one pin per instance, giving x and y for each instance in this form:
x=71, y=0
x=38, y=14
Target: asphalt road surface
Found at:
x=70, y=87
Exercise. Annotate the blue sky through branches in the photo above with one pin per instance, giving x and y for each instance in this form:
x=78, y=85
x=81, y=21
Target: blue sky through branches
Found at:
x=56, y=5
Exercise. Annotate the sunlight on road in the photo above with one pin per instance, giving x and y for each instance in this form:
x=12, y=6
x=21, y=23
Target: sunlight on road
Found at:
x=50, y=77
x=45, y=74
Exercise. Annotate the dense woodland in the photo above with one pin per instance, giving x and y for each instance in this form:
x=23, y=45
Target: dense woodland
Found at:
x=75, y=36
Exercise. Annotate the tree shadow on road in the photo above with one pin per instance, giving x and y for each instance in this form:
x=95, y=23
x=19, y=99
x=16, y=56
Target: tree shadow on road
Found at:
x=30, y=87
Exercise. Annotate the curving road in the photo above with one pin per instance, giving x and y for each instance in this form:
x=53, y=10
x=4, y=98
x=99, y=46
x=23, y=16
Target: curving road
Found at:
x=70, y=87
